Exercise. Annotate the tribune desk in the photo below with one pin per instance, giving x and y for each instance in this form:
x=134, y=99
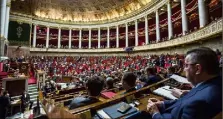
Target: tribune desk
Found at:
x=15, y=85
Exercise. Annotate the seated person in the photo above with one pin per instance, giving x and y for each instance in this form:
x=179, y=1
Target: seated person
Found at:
x=48, y=88
x=129, y=82
x=204, y=101
x=25, y=100
x=94, y=86
x=109, y=83
x=169, y=72
x=151, y=76
x=141, y=76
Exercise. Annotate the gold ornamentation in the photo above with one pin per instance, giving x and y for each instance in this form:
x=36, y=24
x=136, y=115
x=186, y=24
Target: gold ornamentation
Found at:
x=19, y=31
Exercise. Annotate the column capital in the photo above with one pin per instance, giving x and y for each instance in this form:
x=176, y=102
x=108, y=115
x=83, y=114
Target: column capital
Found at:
x=8, y=4
x=59, y=27
x=169, y=1
x=34, y=24
x=2, y=37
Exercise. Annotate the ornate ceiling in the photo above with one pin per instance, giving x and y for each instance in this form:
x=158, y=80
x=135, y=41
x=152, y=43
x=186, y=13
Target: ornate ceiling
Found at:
x=80, y=11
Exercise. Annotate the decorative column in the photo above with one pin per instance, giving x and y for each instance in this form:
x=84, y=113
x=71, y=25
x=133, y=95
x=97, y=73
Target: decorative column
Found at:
x=117, y=37
x=203, y=20
x=8, y=5
x=34, y=36
x=3, y=16
x=170, y=25
x=47, y=37
x=126, y=35
x=70, y=33
x=59, y=38
x=146, y=30
x=184, y=17
x=157, y=27
x=99, y=38
x=80, y=37
x=89, y=44
x=136, y=33
x=108, y=36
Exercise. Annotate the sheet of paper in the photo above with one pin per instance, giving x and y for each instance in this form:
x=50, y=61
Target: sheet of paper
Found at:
x=180, y=79
x=165, y=91
x=103, y=114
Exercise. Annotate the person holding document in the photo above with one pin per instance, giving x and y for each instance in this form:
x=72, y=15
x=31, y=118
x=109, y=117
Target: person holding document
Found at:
x=204, y=100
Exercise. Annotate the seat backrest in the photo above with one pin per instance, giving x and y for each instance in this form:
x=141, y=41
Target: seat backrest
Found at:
x=218, y=116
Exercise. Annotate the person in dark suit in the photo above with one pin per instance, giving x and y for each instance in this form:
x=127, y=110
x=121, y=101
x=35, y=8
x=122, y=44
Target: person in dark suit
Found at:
x=4, y=104
x=204, y=101
x=129, y=82
x=151, y=76
x=109, y=83
x=25, y=100
x=94, y=86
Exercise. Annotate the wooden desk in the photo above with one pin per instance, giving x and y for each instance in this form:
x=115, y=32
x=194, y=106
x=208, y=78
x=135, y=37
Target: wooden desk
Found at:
x=66, y=91
x=144, y=101
x=24, y=68
x=108, y=102
x=15, y=85
x=14, y=104
x=56, y=112
x=116, y=99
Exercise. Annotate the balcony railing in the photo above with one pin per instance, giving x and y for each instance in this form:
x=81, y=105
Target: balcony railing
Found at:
x=199, y=35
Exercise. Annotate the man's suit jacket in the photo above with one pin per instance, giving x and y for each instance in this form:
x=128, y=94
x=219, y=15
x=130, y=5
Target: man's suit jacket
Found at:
x=4, y=103
x=81, y=101
x=25, y=99
x=152, y=79
x=202, y=102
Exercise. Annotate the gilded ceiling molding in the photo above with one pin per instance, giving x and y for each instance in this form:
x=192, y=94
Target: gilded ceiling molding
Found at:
x=75, y=25
x=197, y=36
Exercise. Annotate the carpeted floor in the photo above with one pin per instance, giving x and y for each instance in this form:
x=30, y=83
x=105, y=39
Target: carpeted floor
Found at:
x=31, y=80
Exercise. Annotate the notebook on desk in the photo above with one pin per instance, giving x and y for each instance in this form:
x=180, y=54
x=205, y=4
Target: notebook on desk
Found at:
x=108, y=95
x=112, y=112
x=165, y=91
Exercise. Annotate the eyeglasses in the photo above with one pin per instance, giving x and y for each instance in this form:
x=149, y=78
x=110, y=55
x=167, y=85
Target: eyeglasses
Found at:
x=186, y=65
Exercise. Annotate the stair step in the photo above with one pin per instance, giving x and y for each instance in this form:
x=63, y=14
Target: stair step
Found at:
x=33, y=96
x=30, y=88
x=33, y=93
x=32, y=85
x=34, y=99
